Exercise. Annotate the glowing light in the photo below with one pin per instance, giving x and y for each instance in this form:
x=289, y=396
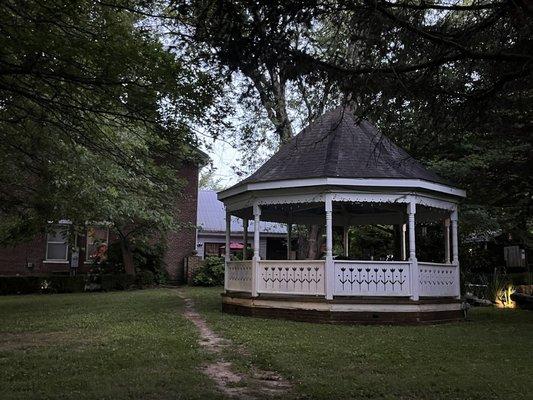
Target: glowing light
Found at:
x=503, y=297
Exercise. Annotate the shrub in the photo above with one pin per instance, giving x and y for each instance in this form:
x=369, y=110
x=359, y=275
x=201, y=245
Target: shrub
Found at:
x=66, y=284
x=116, y=282
x=144, y=278
x=20, y=284
x=211, y=273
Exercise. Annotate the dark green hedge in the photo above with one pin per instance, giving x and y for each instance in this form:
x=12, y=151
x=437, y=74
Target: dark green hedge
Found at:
x=61, y=283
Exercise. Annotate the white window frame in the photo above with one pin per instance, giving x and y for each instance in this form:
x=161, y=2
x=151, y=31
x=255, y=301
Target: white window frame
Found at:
x=48, y=241
x=87, y=255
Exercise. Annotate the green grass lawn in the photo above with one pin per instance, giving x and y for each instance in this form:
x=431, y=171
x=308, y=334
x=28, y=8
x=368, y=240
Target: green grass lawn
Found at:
x=137, y=345
x=121, y=345
x=488, y=357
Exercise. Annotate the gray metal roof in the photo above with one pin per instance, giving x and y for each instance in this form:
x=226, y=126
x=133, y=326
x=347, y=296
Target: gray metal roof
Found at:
x=211, y=217
x=338, y=144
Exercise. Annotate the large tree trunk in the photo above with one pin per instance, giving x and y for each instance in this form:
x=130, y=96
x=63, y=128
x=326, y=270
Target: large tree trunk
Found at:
x=127, y=257
x=313, y=251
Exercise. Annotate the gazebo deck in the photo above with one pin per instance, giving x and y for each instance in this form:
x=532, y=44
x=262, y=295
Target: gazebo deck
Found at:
x=363, y=291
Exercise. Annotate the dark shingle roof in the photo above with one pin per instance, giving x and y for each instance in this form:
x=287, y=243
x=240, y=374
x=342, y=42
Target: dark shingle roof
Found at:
x=338, y=144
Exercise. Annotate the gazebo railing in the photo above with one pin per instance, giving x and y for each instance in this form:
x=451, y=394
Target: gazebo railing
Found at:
x=291, y=277
x=372, y=278
x=350, y=278
x=238, y=276
x=438, y=280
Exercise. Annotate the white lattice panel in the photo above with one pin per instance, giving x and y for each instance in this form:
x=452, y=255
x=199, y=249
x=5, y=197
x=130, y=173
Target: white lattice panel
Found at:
x=291, y=277
x=371, y=278
x=239, y=276
x=437, y=280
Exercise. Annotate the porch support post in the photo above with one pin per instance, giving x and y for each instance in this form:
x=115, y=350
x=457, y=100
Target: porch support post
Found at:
x=329, y=265
x=411, y=211
x=346, y=241
x=227, y=255
x=257, y=257
x=455, y=254
x=403, y=247
x=289, y=238
x=228, y=236
x=447, y=240
x=245, y=238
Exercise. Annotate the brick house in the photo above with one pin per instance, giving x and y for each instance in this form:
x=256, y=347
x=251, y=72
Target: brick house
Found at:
x=49, y=253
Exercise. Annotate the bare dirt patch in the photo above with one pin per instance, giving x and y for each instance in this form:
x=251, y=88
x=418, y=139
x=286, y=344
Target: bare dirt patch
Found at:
x=255, y=385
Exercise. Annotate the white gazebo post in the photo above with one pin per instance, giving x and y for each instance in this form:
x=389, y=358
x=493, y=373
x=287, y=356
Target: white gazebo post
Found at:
x=403, y=247
x=245, y=238
x=447, y=241
x=289, y=238
x=346, y=241
x=329, y=265
x=411, y=210
x=455, y=253
x=256, y=257
x=227, y=254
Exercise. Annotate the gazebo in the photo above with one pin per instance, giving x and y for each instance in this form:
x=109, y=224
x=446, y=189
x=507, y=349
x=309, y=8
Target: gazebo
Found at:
x=340, y=171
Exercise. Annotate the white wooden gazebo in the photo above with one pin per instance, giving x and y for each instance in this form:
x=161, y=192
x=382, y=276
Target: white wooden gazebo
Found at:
x=340, y=171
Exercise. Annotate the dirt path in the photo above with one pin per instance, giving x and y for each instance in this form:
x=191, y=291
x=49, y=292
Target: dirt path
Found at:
x=256, y=385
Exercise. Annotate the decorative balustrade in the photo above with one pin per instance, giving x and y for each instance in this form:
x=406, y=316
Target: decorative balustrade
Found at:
x=351, y=278
x=291, y=277
x=371, y=278
x=239, y=276
x=438, y=280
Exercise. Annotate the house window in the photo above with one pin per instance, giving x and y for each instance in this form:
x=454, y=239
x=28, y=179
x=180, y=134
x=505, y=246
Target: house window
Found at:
x=212, y=249
x=57, y=244
x=96, y=237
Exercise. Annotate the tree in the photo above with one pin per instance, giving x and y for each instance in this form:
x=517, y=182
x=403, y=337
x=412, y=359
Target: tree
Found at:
x=95, y=118
x=450, y=82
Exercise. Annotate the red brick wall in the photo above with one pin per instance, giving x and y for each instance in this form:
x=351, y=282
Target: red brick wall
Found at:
x=183, y=242
x=180, y=244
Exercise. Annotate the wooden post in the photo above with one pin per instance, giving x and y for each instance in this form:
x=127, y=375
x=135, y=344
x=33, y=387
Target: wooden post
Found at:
x=289, y=239
x=245, y=238
x=256, y=258
x=346, y=241
x=329, y=265
x=411, y=211
x=455, y=254
x=447, y=240
x=403, y=247
x=227, y=254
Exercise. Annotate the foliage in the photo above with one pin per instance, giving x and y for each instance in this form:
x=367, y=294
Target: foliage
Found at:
x=95, y=119
x=20, y=284
x=211, y=272
x=116, y=282
x=451, y=83
x=144, y=278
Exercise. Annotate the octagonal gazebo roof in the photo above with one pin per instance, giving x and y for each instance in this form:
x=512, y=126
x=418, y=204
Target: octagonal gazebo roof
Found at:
x=339, y=144
x=341, y=149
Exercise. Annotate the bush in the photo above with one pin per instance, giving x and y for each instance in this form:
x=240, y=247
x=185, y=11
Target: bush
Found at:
x=211, y=273
x=116, y=282
x=20, y=284
x=144, y=278
x=66, y=284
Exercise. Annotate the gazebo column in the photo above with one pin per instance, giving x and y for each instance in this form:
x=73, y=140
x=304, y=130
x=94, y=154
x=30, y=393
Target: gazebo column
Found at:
x=403, y=247
x=346, y=240
x=329, y=265
x=245, y=238
x=411, y=211
x=227, y=255
x=447, y=241
x=256, y=257
x=289, y=239
x=455, y=253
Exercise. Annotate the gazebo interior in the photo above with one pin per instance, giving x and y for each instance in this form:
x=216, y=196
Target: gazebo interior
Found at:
x=297, y=187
